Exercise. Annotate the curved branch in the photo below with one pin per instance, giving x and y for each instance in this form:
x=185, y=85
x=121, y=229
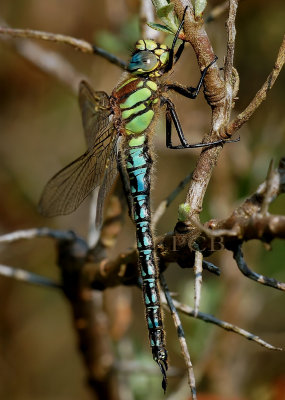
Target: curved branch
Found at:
x=260, y=95
x=77, y=44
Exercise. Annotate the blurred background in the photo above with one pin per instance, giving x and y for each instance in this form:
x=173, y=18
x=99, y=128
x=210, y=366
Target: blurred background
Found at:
x=40, y=132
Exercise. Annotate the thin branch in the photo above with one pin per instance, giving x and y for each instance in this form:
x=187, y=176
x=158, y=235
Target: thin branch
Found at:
x=45, y=60
x=260, y=95
x=231, y=31
x=37, y=232
x=198, y=269
x=181, y=337
x=223, y=324
x=270, y=189
x=215, y=232
x=28, y=277
x=211, y=267
x=217, y=11
x=229, y=61
x=264, y=280
x=77, y=44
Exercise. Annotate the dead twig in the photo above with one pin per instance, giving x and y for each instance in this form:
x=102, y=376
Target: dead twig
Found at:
x=77, y=44
x=223, y=324
x=261, y=95
x=37, y=232
x=29, y=277
x=217, y=11
x=181, y=338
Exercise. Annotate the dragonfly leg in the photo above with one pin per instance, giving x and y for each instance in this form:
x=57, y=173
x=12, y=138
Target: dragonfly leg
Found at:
x=179, y=52
x=173, y=58
x=171, y=115
x=191, y=92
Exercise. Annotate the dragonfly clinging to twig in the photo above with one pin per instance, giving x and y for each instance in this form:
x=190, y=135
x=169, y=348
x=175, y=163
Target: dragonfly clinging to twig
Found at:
x=118, y=130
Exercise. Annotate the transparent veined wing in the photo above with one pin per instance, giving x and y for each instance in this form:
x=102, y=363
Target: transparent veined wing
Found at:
x=96, y=167
x=70, y=186
x=95, y=112
x=108, y=180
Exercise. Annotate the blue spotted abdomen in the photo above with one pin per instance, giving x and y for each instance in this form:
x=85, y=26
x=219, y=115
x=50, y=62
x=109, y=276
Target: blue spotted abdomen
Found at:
x=138, y=167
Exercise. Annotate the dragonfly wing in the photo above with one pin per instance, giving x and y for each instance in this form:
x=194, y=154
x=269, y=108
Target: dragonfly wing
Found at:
x=70, y=186
x=107, y=182
x=95, y=112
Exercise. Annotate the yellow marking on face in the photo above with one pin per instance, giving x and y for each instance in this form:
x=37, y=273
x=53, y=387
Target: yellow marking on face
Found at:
x=164, y=57
x=140, y=45
x=150, y=44
x=159, y=52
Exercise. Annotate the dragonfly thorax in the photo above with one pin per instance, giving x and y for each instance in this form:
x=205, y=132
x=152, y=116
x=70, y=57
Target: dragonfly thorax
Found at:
x=149, y=58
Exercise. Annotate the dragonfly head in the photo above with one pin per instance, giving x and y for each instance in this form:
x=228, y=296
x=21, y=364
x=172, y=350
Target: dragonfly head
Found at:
x=149, y=58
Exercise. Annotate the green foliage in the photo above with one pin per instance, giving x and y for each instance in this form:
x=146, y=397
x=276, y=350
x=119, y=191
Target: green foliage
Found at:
x=161, y=28
x=199, y=7
x=165, y=11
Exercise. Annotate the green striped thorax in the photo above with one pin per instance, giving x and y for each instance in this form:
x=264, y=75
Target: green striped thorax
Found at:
x=136, y=97
x=149, y=58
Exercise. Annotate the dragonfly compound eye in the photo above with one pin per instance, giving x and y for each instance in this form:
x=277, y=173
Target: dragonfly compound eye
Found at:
x=143, y=61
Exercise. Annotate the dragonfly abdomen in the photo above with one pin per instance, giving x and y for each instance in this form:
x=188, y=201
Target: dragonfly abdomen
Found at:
x=134, y=109
x=138, y=167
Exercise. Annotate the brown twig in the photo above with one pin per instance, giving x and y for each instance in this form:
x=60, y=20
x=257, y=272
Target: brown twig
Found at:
x=231, y=31
x=261, y=95
x=198, y=269
x=229, y=61
x=217, y=11
x=77, y=44
x=225, y=325
x=215, y=92
x=45, y=60
x=181, y=337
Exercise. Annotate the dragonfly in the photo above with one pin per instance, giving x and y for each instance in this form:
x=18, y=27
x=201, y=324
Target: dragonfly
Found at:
x=119, y=130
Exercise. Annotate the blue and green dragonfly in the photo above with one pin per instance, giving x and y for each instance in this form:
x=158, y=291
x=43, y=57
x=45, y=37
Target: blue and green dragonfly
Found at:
x=119, y=130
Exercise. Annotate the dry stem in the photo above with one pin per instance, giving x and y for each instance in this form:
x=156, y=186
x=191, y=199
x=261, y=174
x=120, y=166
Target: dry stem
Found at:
x=260, y=95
